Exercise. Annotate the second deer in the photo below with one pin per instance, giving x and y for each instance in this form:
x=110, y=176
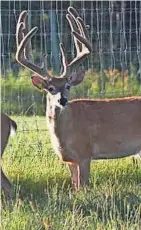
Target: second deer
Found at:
x=81, y=130
x=8, y=127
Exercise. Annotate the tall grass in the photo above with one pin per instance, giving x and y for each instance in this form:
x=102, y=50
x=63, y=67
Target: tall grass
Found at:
x=43, y=197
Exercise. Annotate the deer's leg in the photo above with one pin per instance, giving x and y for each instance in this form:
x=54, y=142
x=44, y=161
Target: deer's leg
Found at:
x=74, y=175
x=6, y=185
x=135, y=159
x=84, y=172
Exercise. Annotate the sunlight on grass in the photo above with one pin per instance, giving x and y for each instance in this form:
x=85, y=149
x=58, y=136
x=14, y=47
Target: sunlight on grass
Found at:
x=43, y=196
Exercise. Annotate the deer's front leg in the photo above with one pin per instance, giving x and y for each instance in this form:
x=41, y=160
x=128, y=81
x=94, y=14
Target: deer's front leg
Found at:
x=80, y=173
x=74, y=175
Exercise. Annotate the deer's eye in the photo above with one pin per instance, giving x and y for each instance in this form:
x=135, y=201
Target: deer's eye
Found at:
x=52, y=89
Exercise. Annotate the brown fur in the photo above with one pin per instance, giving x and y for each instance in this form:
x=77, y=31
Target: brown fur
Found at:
x=6, y=124
x=95, y=129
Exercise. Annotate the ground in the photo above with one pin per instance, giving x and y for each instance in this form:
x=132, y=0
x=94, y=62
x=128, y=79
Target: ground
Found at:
x=43, y=197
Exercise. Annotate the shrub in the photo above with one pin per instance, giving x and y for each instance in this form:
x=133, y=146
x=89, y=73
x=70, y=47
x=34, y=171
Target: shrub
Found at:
x=19, y=96
x=107, y=84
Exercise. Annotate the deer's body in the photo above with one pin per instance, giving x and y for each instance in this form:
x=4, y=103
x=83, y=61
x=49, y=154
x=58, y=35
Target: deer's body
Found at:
x=81, y=130
x=8, y=126
x=85, y=130
x=96, y=129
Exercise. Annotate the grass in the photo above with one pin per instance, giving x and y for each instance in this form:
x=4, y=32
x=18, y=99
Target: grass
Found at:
x=43, y=196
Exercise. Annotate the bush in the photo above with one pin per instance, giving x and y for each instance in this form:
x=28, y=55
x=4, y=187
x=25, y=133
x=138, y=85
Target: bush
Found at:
x=19, y=96
x=107, y=84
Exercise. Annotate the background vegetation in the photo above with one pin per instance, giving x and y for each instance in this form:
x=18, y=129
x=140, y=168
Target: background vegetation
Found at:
x=19, y=96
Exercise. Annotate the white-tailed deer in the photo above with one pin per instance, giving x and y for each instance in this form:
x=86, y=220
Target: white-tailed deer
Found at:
x=8, y=127
x=81, y=130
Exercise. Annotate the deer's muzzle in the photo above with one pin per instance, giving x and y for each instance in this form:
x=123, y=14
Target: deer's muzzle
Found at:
x=63, y=101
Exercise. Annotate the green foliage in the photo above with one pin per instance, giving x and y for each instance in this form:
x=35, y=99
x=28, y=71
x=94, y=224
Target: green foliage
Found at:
x=107, y=84
x=19, y=96
x=113, y=200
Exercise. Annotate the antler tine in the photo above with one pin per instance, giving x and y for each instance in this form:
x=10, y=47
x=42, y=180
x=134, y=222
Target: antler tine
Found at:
x=83, y=40
x=22, y=32
x=74, y=27
x=22, y=18
x=23, y=39
x=73, y=14
x=73, y=11
x=79, y=32
x=83, y=28
x=63, y=60
x=77, y=24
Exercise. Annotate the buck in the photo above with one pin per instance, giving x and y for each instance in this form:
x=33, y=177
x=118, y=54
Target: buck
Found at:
x=81, y=130
x=8, y=127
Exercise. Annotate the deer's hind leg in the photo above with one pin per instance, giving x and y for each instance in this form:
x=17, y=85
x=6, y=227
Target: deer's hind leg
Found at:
x=73, y=167
x=84, y=172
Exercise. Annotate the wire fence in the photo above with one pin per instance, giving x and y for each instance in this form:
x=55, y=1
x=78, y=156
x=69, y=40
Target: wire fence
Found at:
x=114, y=32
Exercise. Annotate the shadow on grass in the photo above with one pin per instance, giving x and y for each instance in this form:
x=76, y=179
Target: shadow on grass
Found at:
x=42, y=186
x=119, y=204
x=55, y=191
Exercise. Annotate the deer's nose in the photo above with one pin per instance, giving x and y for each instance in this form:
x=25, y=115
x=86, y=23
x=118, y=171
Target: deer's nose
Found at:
x=63, y=101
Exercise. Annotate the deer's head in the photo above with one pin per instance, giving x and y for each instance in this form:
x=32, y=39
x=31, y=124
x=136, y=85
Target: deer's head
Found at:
x=71, y=74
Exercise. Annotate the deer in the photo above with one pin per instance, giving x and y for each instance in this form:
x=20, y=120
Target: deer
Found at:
x=81, y=130
x=8, y=128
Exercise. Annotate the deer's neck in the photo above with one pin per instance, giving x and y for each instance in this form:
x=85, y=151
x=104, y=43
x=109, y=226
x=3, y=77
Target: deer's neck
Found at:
x=53, y=110
x=54, y=116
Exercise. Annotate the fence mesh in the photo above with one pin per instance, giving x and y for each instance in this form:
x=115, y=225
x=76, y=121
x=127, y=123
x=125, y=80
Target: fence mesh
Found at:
x=115, y=35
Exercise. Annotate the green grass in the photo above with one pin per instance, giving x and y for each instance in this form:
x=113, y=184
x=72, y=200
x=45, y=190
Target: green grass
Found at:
x=47, y=201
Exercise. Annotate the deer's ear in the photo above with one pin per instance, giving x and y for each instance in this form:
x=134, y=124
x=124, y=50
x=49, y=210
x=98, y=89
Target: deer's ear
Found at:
x=38, y=82
x=77, y=77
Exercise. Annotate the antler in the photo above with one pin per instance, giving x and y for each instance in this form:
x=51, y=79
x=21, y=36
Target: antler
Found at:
x=23, y=39
x=82, y=44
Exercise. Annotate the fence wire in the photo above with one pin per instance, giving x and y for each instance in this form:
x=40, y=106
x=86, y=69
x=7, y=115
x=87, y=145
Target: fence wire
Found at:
x=114, y=32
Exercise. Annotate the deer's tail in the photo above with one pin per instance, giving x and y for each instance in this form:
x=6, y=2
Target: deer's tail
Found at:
x=13, y=128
